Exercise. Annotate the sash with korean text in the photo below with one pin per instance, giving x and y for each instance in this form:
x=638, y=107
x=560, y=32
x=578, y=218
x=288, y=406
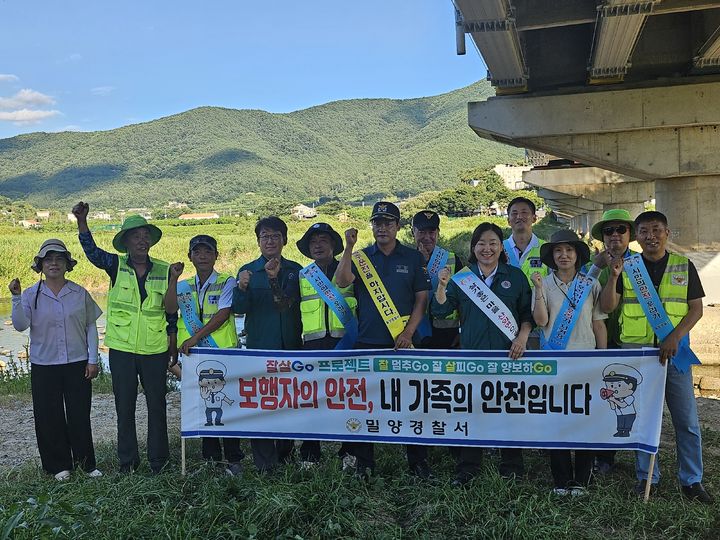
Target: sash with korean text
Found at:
x=381, y=299
x=655, y=312
x=567, y=318
x=334, y=299
x=190, y=318
x=488, y=302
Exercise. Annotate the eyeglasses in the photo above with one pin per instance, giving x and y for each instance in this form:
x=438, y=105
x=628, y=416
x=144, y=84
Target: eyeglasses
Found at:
x=267, y=237
x=620, y=229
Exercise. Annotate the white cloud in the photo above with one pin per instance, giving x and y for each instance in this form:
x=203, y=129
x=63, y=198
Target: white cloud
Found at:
x=25, y=98
x=102, y=90
x=6, y=77
x=26, y=116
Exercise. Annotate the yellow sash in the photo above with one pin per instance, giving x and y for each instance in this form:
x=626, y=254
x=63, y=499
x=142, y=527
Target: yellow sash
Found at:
x=383, y=303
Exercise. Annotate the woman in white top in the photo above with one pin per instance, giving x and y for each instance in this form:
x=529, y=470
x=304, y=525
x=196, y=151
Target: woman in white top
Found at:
x=61, y=316
x=566, y=254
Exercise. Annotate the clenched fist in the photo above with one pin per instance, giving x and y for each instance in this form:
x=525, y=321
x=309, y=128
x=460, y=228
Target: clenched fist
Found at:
x=14, y=287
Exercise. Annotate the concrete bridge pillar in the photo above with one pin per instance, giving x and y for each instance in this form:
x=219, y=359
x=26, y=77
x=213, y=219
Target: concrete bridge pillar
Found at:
x=663, y=141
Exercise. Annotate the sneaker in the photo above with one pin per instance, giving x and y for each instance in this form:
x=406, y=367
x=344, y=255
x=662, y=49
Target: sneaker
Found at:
x=561, y=492
x=696, y=492
x=62, y=476
x=349, y=463
x=95, y=473
x=578, y=491
x=309, y=465
x=422, y=470
x=233, y=469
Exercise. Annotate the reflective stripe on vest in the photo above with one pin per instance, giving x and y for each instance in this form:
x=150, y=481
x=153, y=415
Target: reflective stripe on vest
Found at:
x=634, y=326
x=131, y=326
x=314, y=313
x=226, y=336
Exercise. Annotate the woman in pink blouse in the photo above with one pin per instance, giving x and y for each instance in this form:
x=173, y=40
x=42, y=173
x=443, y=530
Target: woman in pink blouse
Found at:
x=62, y=319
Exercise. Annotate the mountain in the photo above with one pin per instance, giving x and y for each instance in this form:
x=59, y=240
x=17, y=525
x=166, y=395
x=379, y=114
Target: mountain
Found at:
x=346, y=149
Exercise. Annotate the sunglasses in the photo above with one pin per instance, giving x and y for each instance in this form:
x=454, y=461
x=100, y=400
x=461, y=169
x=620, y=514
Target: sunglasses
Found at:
x=620, y=229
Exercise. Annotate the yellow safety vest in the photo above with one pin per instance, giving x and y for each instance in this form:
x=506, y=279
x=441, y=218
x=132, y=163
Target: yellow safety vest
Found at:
x=532, y=264
x=226, y=336
x=453, y=319
x=634, y=326
x=132, y=326
x=317, y=318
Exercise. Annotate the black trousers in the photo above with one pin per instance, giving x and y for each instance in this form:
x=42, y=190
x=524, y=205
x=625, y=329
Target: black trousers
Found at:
x=267, y=453
x=213, y=451
x=365, y=452
x=564, y=473
x=61, y=406
x=150, y=369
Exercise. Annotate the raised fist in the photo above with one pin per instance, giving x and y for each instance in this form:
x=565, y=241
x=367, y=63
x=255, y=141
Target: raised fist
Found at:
x=444, y=276
x=243, y=279
x=536, y=279
x=80, y=211
x=351, y=238
x=14, y=287
x=176, y=270
x=272, y=268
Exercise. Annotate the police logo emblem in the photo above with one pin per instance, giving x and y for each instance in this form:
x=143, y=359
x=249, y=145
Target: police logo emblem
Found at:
x=353, y=425
x=429, y=215
x=382, y=208
x=679, y=279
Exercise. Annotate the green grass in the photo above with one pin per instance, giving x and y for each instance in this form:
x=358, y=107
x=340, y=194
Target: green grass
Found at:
x=324, y=503
x=236, y=243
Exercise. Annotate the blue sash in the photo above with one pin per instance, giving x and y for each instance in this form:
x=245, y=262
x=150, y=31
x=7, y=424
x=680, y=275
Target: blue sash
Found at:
x=511, y=254
x=438, y=261
x=655, y=312
x=580, y=289
x=334, y=299
x=189, y=316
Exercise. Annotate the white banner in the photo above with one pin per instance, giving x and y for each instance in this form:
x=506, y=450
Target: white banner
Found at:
x=611, y=399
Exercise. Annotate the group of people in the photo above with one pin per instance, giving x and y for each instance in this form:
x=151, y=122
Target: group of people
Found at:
x=390, y=296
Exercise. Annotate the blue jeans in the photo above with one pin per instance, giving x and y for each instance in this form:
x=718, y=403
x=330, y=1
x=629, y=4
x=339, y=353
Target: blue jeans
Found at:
x=680, y=399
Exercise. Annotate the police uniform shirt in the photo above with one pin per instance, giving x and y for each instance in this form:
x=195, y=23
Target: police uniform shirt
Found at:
x=403, y=273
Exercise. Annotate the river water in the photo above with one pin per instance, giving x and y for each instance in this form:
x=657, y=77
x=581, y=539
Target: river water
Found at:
x=14, y=341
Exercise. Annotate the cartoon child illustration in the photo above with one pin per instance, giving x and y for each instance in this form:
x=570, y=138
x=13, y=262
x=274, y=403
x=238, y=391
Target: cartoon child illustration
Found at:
x=621, y=381
x=211, y=380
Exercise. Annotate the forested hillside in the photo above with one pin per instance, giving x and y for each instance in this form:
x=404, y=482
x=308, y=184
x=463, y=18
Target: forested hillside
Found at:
x=354, y=149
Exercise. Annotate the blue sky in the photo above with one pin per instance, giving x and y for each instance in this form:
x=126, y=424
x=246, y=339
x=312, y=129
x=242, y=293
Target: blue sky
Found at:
x=92, y=65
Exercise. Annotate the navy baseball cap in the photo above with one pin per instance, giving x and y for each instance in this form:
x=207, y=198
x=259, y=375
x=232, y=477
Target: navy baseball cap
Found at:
x=384, y=209
x=426, y=220
x=203, y=240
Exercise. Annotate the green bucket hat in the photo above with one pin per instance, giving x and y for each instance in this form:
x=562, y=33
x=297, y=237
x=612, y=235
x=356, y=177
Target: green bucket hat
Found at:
x=616, y=214
x=135, y=222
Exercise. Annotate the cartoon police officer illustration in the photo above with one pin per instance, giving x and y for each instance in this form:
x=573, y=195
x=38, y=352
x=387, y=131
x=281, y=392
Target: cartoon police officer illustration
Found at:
x=621, y=381
x=211, y=379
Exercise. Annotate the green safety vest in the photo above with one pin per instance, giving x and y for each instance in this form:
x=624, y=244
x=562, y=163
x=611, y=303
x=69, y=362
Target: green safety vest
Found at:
x=634, y=326
x=532, y=264
x=131, y=326
x=453, y=319
x=226, y=335
x=317, y=318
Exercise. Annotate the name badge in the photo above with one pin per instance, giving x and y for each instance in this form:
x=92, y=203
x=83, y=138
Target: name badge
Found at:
x=401, y=269
x=214, y=299
x=535, y=262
